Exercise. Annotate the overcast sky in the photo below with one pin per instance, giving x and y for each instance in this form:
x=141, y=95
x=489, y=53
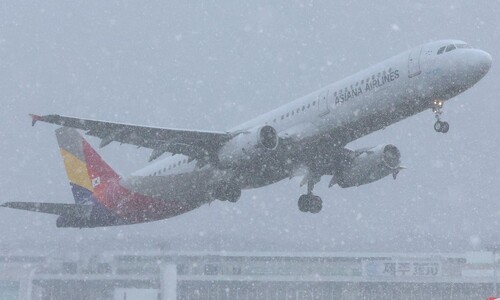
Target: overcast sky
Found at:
x=211, y=66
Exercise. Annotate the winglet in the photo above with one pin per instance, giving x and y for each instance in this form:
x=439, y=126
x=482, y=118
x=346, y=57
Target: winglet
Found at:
x=34, y=119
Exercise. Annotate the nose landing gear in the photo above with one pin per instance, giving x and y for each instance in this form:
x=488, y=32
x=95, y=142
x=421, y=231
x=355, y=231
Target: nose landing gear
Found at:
x=439, y=126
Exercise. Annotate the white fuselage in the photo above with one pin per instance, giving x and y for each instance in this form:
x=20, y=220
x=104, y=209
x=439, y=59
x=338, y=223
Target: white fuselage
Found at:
x=348, y=109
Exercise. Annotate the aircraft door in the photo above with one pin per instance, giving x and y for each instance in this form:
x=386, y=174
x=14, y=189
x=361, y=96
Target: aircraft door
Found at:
x=323, y=108
x=414, y=62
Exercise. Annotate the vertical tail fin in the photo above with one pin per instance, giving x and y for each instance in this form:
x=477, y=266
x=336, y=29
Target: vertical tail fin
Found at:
x=87, y=172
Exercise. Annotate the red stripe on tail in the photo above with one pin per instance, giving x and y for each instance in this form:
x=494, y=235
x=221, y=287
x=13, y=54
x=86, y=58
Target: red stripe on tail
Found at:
x=101, y=174
x=129, y=205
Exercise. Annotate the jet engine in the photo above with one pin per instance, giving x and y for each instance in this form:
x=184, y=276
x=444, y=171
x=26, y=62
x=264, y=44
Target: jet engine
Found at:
x=248, y=145
x=369, y=165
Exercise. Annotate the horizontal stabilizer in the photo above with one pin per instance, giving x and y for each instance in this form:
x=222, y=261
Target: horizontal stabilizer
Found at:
x=52, y=208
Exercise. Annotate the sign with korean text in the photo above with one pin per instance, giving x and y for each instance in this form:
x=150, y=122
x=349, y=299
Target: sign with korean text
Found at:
x=401, y=268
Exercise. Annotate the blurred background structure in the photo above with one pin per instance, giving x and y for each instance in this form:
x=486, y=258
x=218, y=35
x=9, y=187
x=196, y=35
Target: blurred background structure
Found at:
x=159, y=274
x=212, y=66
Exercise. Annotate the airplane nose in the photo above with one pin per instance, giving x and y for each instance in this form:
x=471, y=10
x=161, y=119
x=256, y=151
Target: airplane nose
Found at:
x=477, y=64
x=483, y=62
x=467, y=67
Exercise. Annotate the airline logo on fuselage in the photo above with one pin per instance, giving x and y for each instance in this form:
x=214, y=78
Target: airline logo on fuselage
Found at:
x=371, y=84
x=96, y=181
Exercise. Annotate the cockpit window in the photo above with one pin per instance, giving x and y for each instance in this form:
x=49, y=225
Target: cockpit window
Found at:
x=450, y=48
x=453, y=47
x=464, y=46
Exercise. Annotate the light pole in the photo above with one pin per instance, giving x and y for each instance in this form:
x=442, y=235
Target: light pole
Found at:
x=494, y=249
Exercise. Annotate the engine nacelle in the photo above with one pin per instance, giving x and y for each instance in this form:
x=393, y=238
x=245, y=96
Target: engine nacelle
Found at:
x=248, y=145
x=369, y=166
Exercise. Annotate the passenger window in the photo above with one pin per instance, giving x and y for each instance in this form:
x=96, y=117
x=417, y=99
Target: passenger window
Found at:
x=292, y=112
x=450, y=47
x=287, y=114
x=303, y=108
x=308, y=105
x=441, y=50
x=298, y=109
x=274, y=120
x=282, y=117
x=314, y=103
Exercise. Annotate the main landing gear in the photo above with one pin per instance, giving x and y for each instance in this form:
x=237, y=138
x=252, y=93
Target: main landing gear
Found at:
x=309, y=202
x=439, y=126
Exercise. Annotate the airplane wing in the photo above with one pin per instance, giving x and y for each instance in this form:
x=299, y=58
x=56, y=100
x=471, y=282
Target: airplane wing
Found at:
x=193, y=143
x=51, y=208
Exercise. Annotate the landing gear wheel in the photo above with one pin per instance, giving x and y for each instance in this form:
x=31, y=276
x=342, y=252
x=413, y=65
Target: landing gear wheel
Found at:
x=303, y=203
x=310, y=203
x=445, y=128
x=438, y=126
x=316, y=204
x=441, y=126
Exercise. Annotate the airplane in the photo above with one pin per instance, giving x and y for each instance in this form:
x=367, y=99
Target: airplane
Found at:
x=306, y=137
